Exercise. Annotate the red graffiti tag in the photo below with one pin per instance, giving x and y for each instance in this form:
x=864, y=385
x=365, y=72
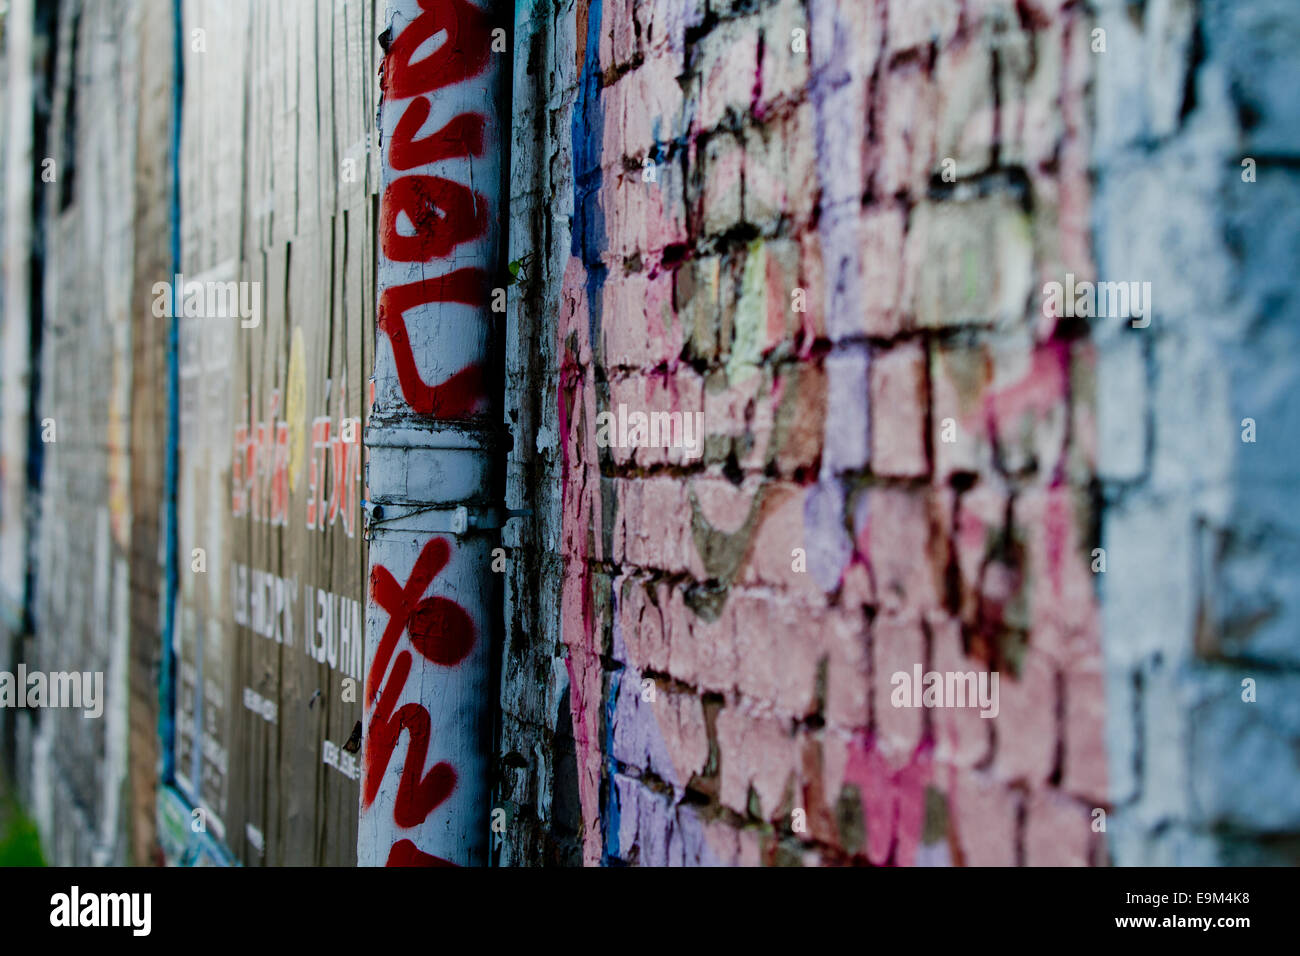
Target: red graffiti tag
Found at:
x=444, y=213
x=460, y=394
x=443, y=633
x=462, y=54
x=462, y=137
x=406, y=853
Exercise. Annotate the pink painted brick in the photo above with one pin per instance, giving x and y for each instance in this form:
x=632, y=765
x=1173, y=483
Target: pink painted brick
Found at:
x=778, y=647
x=848, y=669
x=882, y=282
x=845, y=38
x=980, y=522
x=727, y=405
x=624, y=389
x=639, y=326
x=905, y=157
x=680, y=391
x=962, y=736
x=749, y=847
x=984, y=815
x=641, y=623
x=617, y=33
x=1085, y=773
x=657, y=392
x=778, y=531
x=1028, y=406
x=721, y=196
x=898, y=411
x=643, y=108
x=960, y=378
x=663, y=23
x=642, y=218
x=966, y=107
x=1061, y=583
x=701, y=651
x=654, y=524
x=897, y=644
x=799, y=398
x=916, y=23
x=899, y=534
x=784, y=70
x=858, y=589
x=779, y=170
x=728, y=71
x=756, y=751
x=1026, y=722
x=1058, y=831
x=812, y=322
x=723, y=506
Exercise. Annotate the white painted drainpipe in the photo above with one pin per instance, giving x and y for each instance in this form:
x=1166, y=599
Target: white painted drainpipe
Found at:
x=431, y=522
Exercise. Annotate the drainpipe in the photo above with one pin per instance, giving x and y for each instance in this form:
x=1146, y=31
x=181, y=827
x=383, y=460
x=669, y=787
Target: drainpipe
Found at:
x=432, y=513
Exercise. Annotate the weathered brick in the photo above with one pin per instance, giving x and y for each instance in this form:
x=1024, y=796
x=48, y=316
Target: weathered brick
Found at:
x=617, y=33
x=1058, y=831
x=643, y=217
x=720, y=200
x=882, y=282
x=898, y=533
x=728, y=71
x=920, y=22
x=959, y=380
x=778, y=646
x=966, y=105
x=905, y=154
x=898, y=411
x=758, y=752
x=970, y=262
x=984, y=815
x=1026, y=749
x=962, y=736
x=897, y=645
x=784, y=69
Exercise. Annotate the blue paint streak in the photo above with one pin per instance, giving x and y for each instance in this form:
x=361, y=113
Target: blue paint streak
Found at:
x=588, y=242
x=587, y=136
x=167, y=680
x=609, y=820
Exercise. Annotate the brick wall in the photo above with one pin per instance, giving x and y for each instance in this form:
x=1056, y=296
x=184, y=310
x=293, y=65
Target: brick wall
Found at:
x=829, y=226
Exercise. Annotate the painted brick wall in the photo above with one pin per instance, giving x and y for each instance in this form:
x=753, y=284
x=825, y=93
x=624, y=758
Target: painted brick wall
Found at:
x=828, y=225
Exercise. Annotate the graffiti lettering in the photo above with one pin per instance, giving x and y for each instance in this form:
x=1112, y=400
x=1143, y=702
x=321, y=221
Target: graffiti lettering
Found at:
x=443, y=633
